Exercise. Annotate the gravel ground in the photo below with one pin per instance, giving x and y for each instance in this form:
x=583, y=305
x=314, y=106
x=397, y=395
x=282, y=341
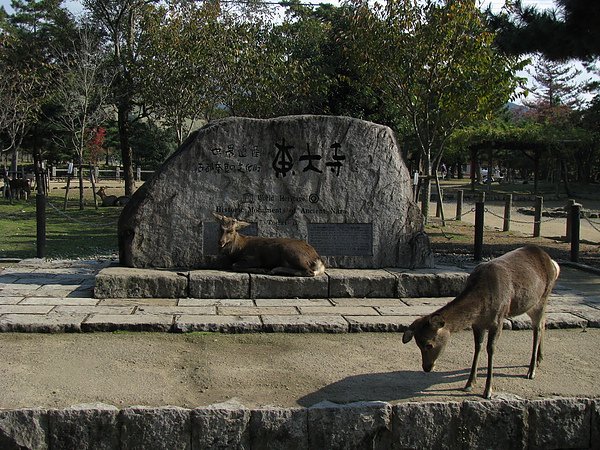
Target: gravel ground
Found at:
x=280, y=369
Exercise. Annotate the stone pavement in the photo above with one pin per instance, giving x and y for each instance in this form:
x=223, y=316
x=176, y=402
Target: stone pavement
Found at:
x=58, y=296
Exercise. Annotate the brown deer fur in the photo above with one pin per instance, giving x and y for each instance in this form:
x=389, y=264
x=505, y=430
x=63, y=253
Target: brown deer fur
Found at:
x=20, y=187
x=276, y=256
x=518, y=282
x=112, y=200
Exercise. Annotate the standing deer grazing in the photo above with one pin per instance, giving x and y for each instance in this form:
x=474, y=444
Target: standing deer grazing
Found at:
x=516, y=283
x=276, y=256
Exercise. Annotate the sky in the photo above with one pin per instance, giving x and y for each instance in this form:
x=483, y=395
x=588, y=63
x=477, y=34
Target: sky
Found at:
x=540, y=4
x=496, y=4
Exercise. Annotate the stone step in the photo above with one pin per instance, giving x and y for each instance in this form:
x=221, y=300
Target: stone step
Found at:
x=509, y=422
x=333, y=315
x=123, y=282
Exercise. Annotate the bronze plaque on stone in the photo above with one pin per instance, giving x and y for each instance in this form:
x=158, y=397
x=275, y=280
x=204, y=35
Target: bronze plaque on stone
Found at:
x=341, y=239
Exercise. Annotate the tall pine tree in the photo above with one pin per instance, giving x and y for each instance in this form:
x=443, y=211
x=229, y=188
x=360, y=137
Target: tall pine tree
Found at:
x=572, y=30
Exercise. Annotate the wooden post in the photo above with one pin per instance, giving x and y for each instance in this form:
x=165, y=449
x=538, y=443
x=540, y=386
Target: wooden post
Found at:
x=69, y=173
x=575, y=229
x=474, y=168
x=459, y=204
x=93, y=181
x=40, y=206
x=570, y=204
x=416, y=186
x=490, y=164
x=507, y=210
x=537, y=216
x=536, y=165
x=424, y=181
x=478, y=244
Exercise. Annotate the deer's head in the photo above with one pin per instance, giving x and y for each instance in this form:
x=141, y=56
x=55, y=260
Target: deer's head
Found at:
x=431, y=338
x=229, y=230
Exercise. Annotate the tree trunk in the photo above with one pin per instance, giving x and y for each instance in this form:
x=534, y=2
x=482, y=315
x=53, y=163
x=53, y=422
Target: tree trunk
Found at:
x=126, y=153
x=426, y=188
x=439, y=196
x=80, y=164
x=565, y=178
x=14, y=162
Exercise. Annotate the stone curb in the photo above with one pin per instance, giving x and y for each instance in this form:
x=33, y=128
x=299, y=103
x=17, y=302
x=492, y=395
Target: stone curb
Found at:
x=299, y=323
x=33, y=301
x=123, y=282
x=499, y=423
x=579, y=266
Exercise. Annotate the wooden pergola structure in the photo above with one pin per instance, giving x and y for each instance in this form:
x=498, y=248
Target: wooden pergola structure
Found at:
x=531, y=149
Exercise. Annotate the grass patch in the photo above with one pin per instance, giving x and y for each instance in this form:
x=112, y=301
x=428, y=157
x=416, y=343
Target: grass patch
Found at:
x=70, y=234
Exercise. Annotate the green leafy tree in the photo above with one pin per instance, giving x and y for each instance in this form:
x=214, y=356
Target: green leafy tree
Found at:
x=590, y=159
x=181, y=60
x=151, y=144
x=330, y=79
x=30, y=37
x=437, y=64
x=120, y=21
x=81, y=95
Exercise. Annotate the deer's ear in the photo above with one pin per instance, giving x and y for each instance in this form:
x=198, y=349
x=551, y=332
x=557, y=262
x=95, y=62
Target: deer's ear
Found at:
x=407, y=336
x=437, y=321
x=240, y=224
x=219, y=217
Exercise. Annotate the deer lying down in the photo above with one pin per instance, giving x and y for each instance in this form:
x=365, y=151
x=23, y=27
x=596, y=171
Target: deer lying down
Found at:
x=276, y=256
x=111, y=200
x=516, y=283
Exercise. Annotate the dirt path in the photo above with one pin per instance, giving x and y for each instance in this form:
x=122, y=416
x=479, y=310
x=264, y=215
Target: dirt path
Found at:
x=552, y=228
x=457, y=236
x=276, y=369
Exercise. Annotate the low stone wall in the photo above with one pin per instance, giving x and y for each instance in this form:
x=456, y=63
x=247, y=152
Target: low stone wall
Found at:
x=123, y=282
x=537, y=424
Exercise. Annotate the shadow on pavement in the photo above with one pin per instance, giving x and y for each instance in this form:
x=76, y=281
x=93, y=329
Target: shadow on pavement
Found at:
x=388, y=386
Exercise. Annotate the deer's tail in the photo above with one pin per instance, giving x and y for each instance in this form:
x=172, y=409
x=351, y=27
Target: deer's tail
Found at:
x=318, y=267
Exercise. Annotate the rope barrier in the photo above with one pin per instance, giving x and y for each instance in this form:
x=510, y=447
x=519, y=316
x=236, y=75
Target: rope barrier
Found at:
x=550, y=219
x=472, y=210
x=593, y=224
x=90, y=224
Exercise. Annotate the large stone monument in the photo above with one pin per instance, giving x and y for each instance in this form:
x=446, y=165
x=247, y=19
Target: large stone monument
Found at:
x=337, y=182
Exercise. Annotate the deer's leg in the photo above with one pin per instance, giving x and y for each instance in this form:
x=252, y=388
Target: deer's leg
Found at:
x=542, y=332
x=248, y=265
x=493, y=335
x=291, y=272
x=478, y=337
x=536, y=353
x=538, y=325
